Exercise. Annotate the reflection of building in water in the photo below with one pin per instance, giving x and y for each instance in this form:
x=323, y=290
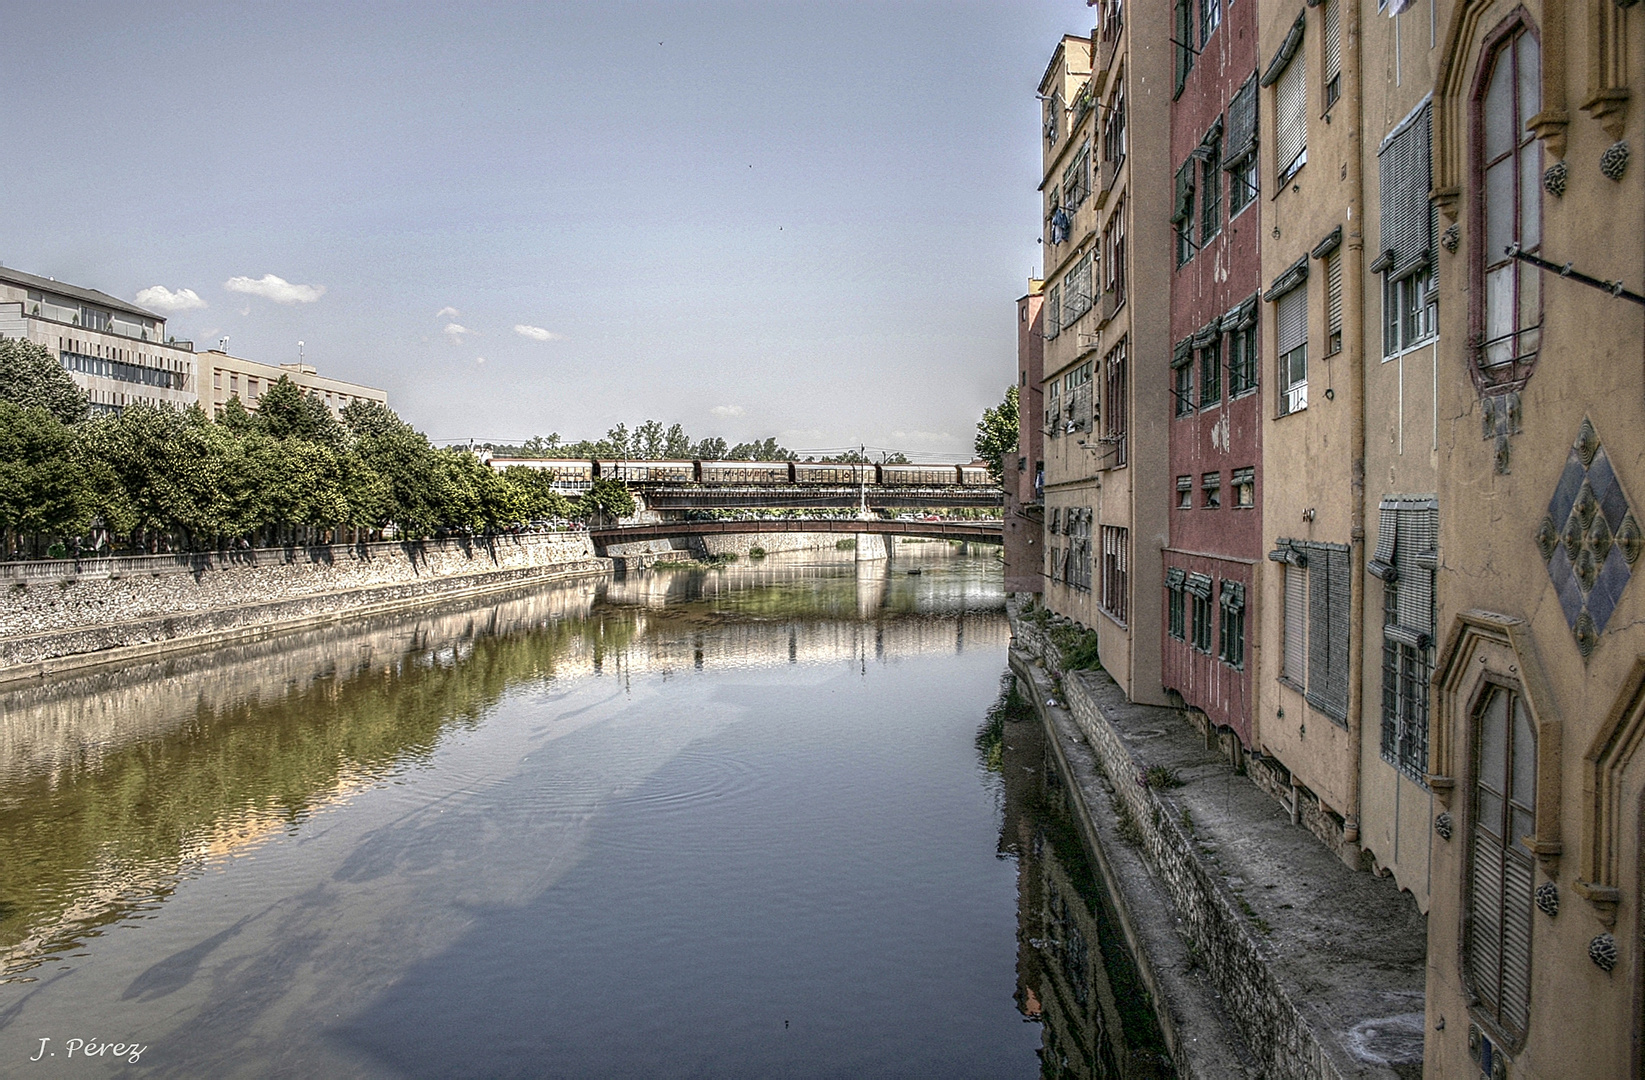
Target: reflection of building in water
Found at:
x=1073, y=973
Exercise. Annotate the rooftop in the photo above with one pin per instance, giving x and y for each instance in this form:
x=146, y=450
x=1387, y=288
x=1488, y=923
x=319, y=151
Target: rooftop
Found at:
x=75, y=292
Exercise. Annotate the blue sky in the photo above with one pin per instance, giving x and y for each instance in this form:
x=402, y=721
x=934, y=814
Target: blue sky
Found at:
x=801, y=220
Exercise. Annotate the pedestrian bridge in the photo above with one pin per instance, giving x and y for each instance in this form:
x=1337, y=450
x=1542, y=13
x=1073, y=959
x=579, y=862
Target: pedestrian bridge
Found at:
x=984, y=532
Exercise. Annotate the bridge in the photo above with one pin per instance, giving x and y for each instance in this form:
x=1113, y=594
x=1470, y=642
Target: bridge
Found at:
x=701, y=496
x=984, y=532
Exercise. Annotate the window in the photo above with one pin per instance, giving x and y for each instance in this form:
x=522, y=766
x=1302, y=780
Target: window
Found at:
x=1210, y=374
x=1315, y=646
x=1175, y=621
x=1116, y=572
x=1183, y=38
x=1079, y=560
x=1113, y=131
x=1210, y=176
x=1076, y=291
x=217, y=378
x=1053, y=313
x=1288, y=74
x=1333, y=52
x=1183, y=216
x=1244, y=483
x=1053, y=407
x=1291, y=315
x=234, y=385
x=1210, y=490
x=1231, y=639
x=1185, y=493
x=1509, y=165
x=1182, y=360
x=1118, y=405
x=1198, y=587
x=1210, y=17
x=1053, y=116
x=1405, y=559
x=1500, y=872
x=1333, y=303
x=1241, y=160
x=1116, y=254
x=1076, y=387
x=1407, y=234
x=1076, y=179
x=1242, y=359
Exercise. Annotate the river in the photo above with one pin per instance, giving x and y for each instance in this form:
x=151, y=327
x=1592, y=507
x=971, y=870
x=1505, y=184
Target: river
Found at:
x=771, y=819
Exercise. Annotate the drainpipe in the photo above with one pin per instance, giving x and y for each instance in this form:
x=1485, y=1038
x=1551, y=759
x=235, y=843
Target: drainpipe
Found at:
x=1354, y=337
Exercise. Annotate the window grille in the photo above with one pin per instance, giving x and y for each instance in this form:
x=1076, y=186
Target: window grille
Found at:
x=1500, y=872
x=1509, y=178
x=1184, y=38
x=1405, y=559
x=1116, y=253
x=1175, y=621
x=1210, y=17
x=1291, y=315
x=1241, y=149
x=1116, y=415
x=1210, y=374
x=1053, y=313
x=1182, y=360
x=1291, y=108
x=1241, y=326
x=1210, y=177
x=1198, y=587
x=1116, y=572
x=1183, y=216
x=1231, y=638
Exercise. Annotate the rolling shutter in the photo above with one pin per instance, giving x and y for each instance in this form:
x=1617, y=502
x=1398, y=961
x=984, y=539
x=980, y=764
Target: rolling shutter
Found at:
x=1291, y=116
x=1333, y=39
x=1296, y=623
x=1333, y=300
x=1291, y=315
x=1404, y=163
x=1329, y=588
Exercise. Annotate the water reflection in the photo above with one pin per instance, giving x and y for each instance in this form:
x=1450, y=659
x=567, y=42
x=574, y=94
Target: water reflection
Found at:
x=116, y=787
x=1074, y=975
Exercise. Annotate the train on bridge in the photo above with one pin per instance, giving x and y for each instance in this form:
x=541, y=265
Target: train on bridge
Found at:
x=574, y=474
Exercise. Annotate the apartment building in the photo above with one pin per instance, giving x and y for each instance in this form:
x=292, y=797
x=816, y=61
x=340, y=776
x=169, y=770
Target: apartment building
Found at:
x=224, y=376
x=1106, y=131
x=1024, y=517
x=1536, y=960
x=118, y=353
x=1215, y=416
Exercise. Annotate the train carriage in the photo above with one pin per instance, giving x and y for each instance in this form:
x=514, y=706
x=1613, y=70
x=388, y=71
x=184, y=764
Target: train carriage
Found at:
x=975, y=476
x=569, y=474
x=746, y=472
x=919, y=475
x=833, y=472
x=648, y=472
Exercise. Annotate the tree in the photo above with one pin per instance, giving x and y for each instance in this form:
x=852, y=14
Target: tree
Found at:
x=608, y=498
x=538, y=499
x=539, y=447
x=42, y=488
x=997, y=435
x=761, y=451
x=31, y=377
x=709, y=450
x=678, y=443
x=286, y=410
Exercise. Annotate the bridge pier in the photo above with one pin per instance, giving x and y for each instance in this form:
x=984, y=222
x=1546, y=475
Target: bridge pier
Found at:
x=872, y=546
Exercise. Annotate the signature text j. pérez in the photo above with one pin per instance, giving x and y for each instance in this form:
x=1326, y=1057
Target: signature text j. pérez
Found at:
x=92, y=1048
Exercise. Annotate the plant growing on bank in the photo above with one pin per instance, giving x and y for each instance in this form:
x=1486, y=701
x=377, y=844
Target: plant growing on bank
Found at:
x=756, y=553
x=1077, y=647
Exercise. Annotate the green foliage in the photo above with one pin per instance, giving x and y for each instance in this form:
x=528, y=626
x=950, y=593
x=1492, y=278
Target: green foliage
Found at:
x=1160, y=777
x=539, y=500
x=848, y=544
x=31, y=377
x=41, y=487
x=756, y=553
x=607, y=498
x=1078, y=648
x=997, y=434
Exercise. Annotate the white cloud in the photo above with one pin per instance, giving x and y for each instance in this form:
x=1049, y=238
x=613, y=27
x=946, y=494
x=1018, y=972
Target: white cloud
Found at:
x=455, y=331
x=727, y=410
x=479, y=359
x=158, y=296
x=277, y=289
x=537, y=333
x=447, y=313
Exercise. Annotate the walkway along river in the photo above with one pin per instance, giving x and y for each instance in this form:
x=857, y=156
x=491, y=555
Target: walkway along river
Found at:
x=753, y=821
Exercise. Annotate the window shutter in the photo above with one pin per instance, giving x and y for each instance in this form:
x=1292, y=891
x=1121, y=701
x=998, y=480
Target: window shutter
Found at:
x=1333, y=39
x=1296, y=623
x=1329, y=585
x=1291, y=115
x=1242, y=125
x=1404, y=163
x=1414, y=556
x=1333, y=297
x=1291, y=315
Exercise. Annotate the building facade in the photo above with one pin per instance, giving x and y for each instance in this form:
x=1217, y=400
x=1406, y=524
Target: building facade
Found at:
x=223, y=376
x=1104, y=179
x=118, y=353
x=1024, y=514
x=1215, y=415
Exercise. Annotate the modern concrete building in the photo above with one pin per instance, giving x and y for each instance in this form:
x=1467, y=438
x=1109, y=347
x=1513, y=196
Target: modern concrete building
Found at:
x=1024, y=512
x=1215, y=412
x=118, y=353
x=1536, y=944
x=223, y=376
x=1105, y=179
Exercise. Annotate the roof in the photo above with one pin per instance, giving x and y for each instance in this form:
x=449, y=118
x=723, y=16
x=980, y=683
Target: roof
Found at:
x=75, y=292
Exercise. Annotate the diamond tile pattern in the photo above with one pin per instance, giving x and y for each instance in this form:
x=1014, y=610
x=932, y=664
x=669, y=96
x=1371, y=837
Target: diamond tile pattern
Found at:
x=1590, y=539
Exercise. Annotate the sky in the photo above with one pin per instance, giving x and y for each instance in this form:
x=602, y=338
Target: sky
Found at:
x=801, y=220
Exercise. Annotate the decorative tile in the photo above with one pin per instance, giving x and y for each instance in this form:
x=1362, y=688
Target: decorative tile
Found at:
x=1589, y=540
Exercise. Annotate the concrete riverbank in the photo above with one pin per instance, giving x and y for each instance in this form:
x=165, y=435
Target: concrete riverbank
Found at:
x=1266, y=955
x=63, y=616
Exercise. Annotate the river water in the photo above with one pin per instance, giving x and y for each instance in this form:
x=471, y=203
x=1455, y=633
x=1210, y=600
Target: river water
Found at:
x=772, y=819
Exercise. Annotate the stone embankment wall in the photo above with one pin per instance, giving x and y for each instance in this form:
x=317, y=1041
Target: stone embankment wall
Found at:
x=1264, y=996
x=117, y=605
x=739, y=544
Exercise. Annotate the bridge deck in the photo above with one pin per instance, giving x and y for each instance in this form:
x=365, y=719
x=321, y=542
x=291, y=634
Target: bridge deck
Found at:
x=814, y=496
x=985, y=532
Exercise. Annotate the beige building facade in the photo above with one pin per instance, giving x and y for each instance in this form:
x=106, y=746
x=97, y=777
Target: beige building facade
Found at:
x=224, y=376
x=1106, y=323
x=118, y=353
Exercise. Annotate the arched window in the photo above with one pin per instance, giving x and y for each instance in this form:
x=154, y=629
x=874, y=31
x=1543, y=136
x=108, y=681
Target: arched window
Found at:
x=1507, y=210
x=1500, y=871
